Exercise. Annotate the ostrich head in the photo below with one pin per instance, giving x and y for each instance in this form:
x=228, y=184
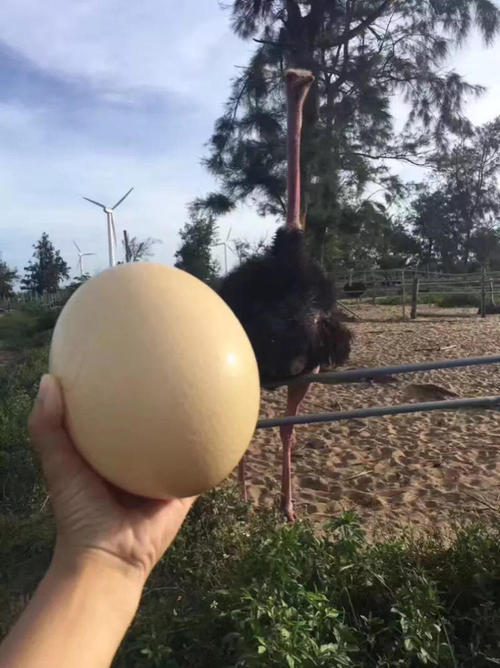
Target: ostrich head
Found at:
x=298, y=83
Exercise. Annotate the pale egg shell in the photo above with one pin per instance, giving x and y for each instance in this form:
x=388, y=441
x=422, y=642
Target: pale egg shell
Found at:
x=160, y=381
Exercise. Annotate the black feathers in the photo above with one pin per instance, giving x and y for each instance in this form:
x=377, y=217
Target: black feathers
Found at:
x=286, y=305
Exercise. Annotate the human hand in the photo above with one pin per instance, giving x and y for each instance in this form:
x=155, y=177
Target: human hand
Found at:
x=94, y=519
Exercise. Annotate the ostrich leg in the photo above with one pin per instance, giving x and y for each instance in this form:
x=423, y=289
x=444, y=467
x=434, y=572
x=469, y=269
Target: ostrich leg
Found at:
x=295, y=396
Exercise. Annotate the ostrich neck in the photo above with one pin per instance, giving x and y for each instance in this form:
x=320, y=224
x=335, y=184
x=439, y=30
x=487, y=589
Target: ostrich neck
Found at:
x=293, y=176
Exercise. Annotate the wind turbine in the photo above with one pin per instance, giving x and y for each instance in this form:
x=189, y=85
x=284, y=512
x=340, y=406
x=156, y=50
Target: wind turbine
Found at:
x=108, y=210
x=80, y=256
x=226, y=246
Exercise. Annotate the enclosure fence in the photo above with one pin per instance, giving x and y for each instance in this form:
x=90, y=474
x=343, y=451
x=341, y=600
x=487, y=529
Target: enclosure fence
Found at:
x=46, y=300
x=367, y=375
x=410, y=286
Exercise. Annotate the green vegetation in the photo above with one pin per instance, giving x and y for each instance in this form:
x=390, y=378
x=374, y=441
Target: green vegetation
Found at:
x=458, y=301
x=46, y=270
x=443, y=301
x=198, y=237
x=364, y=55
x=8, y=277
x=29, y=326
x=247, y=590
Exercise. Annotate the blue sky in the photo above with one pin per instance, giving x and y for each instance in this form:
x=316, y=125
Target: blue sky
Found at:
x=97, y=96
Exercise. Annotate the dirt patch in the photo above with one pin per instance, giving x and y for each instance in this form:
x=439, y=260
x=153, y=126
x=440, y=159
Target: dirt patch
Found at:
x=424, y=470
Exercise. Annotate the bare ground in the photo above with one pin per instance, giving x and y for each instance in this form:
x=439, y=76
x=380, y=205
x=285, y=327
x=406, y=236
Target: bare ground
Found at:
x=423, y=470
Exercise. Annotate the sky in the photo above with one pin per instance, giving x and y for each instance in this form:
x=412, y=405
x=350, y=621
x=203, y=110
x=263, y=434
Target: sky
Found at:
x=97, y=96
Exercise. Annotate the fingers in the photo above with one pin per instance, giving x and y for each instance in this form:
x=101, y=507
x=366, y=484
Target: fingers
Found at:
x=48, y=411
x=49, y=437
x=170, y=516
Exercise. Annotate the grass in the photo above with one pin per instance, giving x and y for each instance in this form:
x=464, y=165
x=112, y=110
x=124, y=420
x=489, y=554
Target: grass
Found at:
x=242, y=589
x=29, y=327
x=443, y=301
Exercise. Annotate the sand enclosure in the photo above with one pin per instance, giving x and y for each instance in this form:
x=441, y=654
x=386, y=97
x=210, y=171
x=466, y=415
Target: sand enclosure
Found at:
x=424, y=469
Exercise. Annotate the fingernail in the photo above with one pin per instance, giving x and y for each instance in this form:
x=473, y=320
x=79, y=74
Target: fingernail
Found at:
x=43, y=388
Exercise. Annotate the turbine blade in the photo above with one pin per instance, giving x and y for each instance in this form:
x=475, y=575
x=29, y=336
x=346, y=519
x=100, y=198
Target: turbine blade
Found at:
x=228, y=235
x=121, y=200
x=88, y=254
x=77, y=246
x=103, y=206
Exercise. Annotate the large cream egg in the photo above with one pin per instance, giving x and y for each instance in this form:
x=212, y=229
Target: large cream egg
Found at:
x=159, y=379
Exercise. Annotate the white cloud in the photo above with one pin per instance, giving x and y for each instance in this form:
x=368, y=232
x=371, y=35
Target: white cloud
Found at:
x=47, y=162
x=179, y=53
x=182, y=47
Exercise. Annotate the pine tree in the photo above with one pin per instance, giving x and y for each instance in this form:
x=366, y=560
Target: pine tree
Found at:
x=7, y=278
x=455, y=215
x=198, y=237
x=47, y=270
x=362, y=53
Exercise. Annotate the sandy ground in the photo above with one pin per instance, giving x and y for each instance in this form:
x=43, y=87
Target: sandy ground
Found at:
x=423, y=470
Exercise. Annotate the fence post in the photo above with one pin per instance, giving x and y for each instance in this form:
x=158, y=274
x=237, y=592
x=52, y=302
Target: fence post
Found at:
x=492, y=292
x=374, y=290
x=414, y=297
x=483, y=293
x=403, y=284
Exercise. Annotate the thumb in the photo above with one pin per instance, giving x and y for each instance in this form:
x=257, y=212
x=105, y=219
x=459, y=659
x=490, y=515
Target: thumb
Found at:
x=46, y=428
x=48, y=411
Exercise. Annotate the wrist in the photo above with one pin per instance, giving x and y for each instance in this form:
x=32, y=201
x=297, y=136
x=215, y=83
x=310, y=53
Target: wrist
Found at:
x=99, y=572
x=71, y=560
x=77, y=616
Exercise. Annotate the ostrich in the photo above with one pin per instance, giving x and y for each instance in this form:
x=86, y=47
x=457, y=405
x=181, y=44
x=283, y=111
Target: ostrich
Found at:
x=285, y=302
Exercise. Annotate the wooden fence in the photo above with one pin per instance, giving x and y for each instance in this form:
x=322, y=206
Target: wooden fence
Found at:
x=408, y=285
x=18, y=300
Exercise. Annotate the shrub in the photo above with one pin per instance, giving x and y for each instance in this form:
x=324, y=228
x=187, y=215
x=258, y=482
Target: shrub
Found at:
x=443, y=301
x=389, y=301
x=458, y=300
x=20, y=481
x=252, y=591
x=27, y=327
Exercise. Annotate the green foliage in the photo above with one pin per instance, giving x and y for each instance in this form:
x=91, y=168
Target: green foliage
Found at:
x=47, y=270
x=455, y=219
x=20, y=480
x=30, y=326
x=247, y=590
x=443, y=301
x=362, y=54
x=198, y=237
x=458, y=301
x=75, y=284
x=26, y=528
x=250, y=591
x=7, y=278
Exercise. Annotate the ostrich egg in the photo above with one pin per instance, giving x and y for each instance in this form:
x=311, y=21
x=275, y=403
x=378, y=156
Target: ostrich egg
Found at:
x=160, y=382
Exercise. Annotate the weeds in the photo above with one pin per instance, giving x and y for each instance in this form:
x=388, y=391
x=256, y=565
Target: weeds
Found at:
x=29, y=327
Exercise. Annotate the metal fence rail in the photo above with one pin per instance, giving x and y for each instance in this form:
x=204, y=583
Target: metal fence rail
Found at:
x=407, y=284
x=492, y=403
x=364, y=375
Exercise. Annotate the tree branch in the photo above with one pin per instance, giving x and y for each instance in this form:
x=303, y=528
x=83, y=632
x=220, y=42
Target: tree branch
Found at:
x=354, y=32
x=402, y=157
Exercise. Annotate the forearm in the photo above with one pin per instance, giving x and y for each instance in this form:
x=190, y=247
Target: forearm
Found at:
x=77, y=616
